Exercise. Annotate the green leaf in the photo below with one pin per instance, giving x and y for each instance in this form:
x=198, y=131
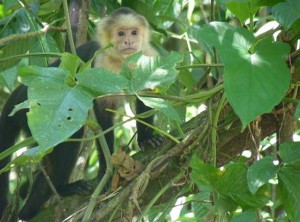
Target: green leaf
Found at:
x=54, y=106
x=60, y=109
x=99, y=81
x=297, y=112
x=199, y=207
x=151, y=72
x=41, y=44
x=256, y=76
x=162, y=106
x=242, y=9
x=10, y=50
x=30, y=73
x=260, y=173
x=289, y=189
x=20, y=106
x=289, y=151
x=8, y=77
x=203, y=174
x=264, y=76
x=286, y=13
x=10, y=4
x=266, y=2
x=233, y=185
x=32, y=155
x=249, y=216
x=70, y=62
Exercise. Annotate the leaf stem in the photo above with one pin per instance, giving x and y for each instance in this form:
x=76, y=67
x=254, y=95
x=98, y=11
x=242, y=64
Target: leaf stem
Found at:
x=69, y=28
x=214, y=129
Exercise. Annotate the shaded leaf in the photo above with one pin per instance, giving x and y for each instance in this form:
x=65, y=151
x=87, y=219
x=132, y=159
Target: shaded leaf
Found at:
x=203, y=174
x=286, y=13
x=249, y=216
x=8, y=77
x=233, y=186
x=260, y=172
x=162, y=106
x=34, y=155
x=289, y=189
x=289, y=151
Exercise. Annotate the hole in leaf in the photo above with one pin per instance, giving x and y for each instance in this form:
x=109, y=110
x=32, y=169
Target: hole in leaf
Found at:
x=69, y=118
x=70, y=109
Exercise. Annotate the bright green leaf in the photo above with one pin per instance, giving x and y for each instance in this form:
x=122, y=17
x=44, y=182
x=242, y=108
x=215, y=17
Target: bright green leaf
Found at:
x=289, y=151
x=70, y=62
x=256, y=76
x=289, y=189
x=257, y=82
x=242, y=9
x=260, y=173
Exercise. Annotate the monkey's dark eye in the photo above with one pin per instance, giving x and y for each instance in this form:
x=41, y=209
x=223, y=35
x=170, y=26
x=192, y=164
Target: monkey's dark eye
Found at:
x=121, y=33
x=134, y=32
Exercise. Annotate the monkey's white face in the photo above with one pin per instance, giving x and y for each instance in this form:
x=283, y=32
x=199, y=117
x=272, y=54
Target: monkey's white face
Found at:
x=127, y=40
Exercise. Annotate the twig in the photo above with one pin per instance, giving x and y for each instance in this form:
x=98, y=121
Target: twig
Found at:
x=44, y=30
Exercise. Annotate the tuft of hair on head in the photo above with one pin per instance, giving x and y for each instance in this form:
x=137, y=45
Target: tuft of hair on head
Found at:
x=120, y=18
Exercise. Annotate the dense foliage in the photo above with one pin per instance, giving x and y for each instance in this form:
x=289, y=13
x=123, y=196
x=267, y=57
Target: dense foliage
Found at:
x=224, y=90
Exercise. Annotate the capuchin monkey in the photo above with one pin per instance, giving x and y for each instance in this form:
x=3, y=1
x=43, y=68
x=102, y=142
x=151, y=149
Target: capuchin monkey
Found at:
x=129, y=33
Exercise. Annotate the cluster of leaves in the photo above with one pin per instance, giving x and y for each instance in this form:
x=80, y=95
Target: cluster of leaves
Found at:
x=256, y=79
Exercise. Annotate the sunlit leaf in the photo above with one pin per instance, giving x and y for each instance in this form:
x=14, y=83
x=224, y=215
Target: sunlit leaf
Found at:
x=256, y=75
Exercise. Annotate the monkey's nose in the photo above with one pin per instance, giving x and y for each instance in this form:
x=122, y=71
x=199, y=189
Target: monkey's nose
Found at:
x=128, y=42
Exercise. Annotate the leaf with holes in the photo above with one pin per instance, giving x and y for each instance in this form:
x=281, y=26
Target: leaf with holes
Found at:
x=56, y=110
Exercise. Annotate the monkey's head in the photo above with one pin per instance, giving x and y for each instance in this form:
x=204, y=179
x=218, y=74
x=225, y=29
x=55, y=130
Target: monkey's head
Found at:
x=126, y=30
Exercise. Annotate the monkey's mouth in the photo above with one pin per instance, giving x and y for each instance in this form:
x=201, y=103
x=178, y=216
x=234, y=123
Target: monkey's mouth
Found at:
x=129, y=50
